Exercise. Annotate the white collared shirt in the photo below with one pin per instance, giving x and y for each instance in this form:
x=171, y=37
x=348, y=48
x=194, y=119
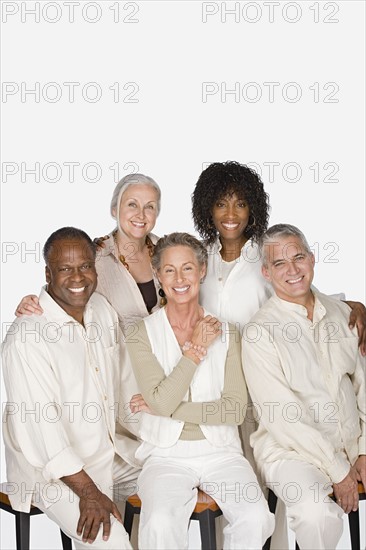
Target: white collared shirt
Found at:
x=62, y=383
x=244, y=291
x=307, y=379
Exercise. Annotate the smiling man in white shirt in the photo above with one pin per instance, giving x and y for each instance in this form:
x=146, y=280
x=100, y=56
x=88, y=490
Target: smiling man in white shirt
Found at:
x=307, y=380
x=62, y=376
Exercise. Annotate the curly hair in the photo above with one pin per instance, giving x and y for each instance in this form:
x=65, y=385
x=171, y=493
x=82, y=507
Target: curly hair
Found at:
x=219, y=180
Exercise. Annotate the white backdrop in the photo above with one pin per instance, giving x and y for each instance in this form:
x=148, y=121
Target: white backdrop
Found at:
x=94, y=90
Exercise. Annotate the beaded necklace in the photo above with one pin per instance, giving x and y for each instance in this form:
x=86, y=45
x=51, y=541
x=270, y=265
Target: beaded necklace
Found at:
x=122, y=258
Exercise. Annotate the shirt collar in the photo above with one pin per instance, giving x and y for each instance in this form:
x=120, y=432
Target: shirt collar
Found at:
x=217, y=246
x=54, y=312
x=319, y=309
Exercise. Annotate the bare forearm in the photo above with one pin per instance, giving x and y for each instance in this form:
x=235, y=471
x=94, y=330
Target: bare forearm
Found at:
x=82, y=485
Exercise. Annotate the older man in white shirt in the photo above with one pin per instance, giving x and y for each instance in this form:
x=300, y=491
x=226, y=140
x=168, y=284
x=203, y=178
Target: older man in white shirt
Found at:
x=62, y=376
x=307, y=380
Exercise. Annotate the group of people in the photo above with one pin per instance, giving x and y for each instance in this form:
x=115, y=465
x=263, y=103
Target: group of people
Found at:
x=136, y=359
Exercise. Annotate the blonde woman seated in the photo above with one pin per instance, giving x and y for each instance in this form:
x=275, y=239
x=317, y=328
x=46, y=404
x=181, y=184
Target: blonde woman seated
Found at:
x=193, y=396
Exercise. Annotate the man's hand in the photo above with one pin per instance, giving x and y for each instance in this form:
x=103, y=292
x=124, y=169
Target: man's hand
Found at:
x=358, y=317
x=359, y=468
x=346, y=492
x=95, y=507
x=93, y=512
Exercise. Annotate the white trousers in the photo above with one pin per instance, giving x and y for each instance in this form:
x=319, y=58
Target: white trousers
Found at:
x=117, y=483
x=168, y=490
x=313, y=516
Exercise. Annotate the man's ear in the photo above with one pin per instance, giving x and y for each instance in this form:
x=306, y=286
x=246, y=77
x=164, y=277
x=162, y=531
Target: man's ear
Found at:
x=265, y=273
x=114, y=212
x=48, y=275
x=203, y=271
x=312, y=259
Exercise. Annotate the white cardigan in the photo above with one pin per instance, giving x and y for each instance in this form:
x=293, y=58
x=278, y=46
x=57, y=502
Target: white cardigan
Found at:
x=206, y=386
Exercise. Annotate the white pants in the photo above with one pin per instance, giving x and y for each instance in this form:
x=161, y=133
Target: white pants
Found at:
x=313, y=516
x=117, y=484
x=168, y=490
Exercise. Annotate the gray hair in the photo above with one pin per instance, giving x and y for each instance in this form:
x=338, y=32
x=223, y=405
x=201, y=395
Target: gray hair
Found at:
x=178, y=239
x=127, y=181
x=277, y=232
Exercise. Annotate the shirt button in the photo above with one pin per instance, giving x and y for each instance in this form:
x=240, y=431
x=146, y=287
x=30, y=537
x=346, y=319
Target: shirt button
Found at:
x=220, y=279
x=96, y=368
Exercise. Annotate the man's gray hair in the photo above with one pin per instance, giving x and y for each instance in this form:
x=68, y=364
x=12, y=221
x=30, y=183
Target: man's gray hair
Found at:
x=178, y=239
x=277, y=232
x=127, y=181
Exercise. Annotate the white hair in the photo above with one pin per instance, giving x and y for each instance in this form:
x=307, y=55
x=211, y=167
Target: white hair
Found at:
x=276, y=232
x=123, y=184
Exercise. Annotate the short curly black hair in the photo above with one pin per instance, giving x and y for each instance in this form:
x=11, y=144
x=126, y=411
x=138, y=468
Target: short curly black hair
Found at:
x=219, y=180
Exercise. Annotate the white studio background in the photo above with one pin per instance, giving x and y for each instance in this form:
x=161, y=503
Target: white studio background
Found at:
x=94, y=90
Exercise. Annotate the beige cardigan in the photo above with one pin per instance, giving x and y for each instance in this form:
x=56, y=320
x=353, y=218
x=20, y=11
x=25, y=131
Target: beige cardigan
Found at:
x=119, y=287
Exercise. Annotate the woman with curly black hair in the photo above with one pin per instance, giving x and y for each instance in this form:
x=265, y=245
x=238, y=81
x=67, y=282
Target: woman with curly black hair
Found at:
x=230, y=211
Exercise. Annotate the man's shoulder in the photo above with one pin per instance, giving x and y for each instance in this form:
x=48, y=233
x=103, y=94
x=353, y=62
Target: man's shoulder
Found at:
x=331, y=301
x=101, y=307
x=269, y=307
x=22, y=327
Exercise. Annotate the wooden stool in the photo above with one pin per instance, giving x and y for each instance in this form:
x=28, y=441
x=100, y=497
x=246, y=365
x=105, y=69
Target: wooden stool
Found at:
x=206, y=510
x=22, y=524
x=353, y=519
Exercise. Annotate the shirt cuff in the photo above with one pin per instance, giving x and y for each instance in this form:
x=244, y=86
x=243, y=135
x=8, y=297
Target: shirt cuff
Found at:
x=66, y=463
x=339, y=468
x=362, y=445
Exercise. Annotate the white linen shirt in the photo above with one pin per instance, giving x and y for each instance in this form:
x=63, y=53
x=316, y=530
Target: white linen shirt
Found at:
x=245, y=290
x=62, y=383
x=307, y=380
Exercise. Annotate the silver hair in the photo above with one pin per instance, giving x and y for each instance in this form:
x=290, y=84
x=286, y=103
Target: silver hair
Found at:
x=178, y=239
x=277, y=232
x=127, y=181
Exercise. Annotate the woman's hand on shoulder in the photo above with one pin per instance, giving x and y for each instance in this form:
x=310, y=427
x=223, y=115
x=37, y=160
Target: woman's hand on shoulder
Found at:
x=29, y=305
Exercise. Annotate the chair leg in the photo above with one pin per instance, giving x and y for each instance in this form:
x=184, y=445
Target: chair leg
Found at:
x=272, y=501
x=208, y=531
x=128, y=519
x=22, y=526
x=354, y=529
x=66, y=541
x=272, y=504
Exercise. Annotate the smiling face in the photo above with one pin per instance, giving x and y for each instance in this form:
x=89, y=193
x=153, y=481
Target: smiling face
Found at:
x=290, y=269
x=138, y=210
x=71, y=275
x=180, y=275
x=230, y=216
